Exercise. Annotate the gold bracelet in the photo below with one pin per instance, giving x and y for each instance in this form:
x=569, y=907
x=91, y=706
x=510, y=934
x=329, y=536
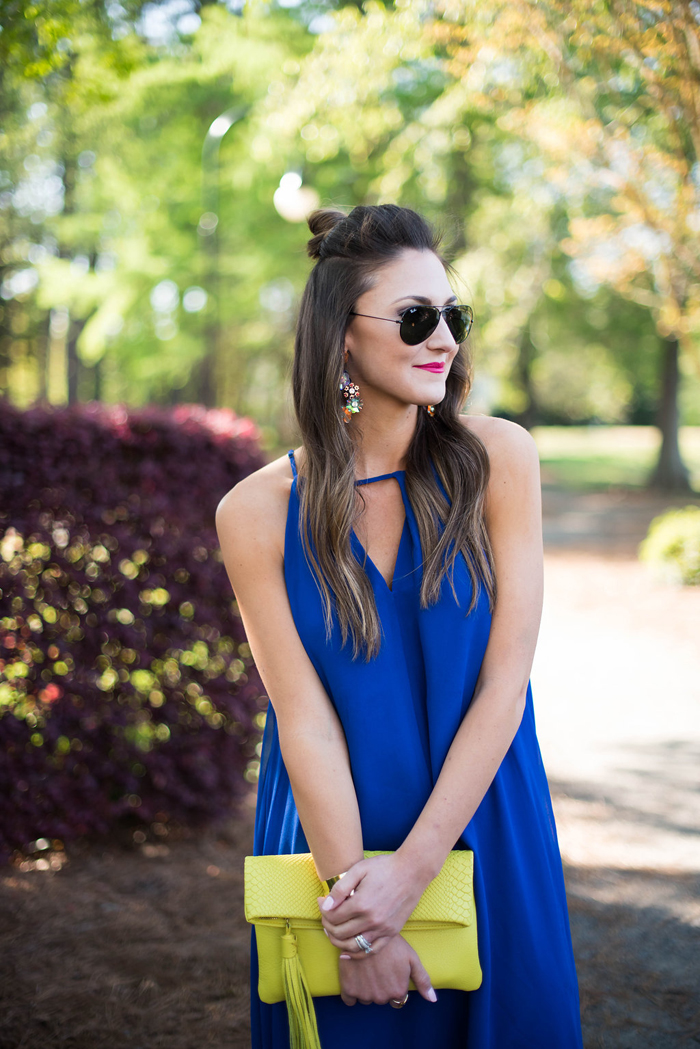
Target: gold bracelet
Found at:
x=330, y=882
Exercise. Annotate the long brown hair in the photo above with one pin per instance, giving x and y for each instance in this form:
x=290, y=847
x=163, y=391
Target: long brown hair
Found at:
x=350, y=249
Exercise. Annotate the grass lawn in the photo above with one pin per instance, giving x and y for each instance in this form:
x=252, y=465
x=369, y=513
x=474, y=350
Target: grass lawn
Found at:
x=605, y=456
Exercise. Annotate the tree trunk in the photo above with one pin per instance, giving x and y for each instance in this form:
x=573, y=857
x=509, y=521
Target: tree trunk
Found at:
x=523, y=377
x=207, y=380
x=72, y=359
x=42, y=359
x=670, y=473
x=99, y=382
x=206, y=370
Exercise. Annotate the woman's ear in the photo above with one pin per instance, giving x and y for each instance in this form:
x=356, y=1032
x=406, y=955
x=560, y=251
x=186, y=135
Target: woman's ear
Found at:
x=347, y=345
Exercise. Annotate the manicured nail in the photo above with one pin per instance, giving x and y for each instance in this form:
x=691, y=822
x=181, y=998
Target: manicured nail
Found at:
x=324, y=931
x=328, y=903
x=432, y=995
x=346, y=957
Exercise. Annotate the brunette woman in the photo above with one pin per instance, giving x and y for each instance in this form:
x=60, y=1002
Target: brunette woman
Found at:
x=389, y=576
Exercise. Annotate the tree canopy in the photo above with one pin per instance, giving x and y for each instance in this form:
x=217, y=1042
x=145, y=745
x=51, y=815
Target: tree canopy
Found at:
x=555, y=143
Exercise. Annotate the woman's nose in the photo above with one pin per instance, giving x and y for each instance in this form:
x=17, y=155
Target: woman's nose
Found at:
x=442, y=338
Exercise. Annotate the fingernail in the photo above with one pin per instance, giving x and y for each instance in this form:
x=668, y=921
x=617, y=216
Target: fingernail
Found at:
x=328, y=903
x=432, y=995
x=324, y=931
x=346, y=957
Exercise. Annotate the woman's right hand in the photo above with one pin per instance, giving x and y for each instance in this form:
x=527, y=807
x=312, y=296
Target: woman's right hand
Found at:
x=375, y=897
x=379, y=978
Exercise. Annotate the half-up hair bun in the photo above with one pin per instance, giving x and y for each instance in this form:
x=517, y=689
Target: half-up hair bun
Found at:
x=321, y=222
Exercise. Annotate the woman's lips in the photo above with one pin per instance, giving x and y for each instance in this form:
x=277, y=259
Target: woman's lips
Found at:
x=437, y=366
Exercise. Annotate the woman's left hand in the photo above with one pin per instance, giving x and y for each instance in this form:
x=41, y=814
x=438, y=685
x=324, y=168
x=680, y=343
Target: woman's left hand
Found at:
x=375, y=898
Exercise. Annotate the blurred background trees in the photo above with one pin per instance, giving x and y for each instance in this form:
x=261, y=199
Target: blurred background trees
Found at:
x=556, y=143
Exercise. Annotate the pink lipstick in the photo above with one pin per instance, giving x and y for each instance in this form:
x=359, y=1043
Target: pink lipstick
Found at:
x=437, y=366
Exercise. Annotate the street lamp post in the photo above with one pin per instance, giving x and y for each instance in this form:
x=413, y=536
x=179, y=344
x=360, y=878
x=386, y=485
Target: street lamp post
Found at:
x=208, y=231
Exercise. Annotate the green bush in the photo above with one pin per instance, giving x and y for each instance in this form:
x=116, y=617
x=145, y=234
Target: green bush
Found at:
x=673, y=545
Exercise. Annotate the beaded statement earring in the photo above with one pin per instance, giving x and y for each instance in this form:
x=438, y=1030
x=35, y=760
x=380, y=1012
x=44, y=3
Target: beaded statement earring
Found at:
x=351, y=394
x=430, y=409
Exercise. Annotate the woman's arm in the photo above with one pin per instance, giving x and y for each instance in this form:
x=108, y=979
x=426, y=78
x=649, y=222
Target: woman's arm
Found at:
x=514, y=523
x=250, y=522
x=391, y=890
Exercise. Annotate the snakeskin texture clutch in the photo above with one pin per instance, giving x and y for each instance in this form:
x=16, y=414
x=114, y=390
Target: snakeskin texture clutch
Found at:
x=281, y=902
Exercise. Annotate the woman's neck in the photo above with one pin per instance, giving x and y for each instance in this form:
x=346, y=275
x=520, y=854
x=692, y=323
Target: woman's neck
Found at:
x=384, y=441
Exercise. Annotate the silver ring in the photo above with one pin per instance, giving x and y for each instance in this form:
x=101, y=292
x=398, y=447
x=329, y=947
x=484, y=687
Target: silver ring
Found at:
x=398, y=1003
x=363, y=943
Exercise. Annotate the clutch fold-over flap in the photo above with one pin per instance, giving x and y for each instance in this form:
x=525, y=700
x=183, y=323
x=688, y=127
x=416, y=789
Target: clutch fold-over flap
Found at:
x=288, y=886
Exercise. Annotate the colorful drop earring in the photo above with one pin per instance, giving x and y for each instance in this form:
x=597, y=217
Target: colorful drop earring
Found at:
x=351, y=393
x=352, y=402
x=430, y=409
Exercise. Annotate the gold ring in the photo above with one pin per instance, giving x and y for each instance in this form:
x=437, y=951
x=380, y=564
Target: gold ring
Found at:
x=398, y=1003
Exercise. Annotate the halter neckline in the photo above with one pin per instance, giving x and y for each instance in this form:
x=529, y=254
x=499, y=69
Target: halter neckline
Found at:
x=379, y=477
x=363, y=480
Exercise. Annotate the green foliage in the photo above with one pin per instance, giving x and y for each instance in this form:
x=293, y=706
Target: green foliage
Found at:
x=126, y=154
x=37, y=36
x=673, y=545
x=538, y=135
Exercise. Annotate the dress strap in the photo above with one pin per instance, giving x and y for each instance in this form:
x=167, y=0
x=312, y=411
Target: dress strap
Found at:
x=365, y=480
x=380, y=477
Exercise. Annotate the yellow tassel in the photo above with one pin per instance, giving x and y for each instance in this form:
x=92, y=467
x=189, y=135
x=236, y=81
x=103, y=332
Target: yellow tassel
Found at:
x=303, y=1032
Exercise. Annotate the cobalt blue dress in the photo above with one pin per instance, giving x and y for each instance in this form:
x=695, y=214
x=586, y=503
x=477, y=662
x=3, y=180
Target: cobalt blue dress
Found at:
x=400, y=713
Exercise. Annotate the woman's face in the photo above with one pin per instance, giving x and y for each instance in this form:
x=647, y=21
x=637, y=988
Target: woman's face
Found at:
x=378, y=360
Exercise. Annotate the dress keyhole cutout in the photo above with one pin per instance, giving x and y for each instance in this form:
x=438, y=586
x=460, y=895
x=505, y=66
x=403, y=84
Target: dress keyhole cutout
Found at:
x=381, y=524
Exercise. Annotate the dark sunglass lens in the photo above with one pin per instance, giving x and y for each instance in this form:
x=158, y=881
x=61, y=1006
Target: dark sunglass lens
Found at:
x=459, y=321
x=418, y=323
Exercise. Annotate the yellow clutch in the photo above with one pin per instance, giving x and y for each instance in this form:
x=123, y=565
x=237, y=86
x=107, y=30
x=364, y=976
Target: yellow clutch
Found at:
x=296, y=960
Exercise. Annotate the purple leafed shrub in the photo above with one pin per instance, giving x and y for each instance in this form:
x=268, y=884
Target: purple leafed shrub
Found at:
x=126, y=684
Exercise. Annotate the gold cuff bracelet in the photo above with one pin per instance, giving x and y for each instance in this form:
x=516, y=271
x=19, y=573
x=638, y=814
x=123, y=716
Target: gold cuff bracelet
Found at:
x=330, y=882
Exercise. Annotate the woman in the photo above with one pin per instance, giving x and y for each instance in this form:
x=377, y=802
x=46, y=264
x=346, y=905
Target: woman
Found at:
x=389, y=576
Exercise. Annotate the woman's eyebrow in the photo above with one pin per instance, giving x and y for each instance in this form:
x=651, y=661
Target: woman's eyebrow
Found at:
x=422, y=299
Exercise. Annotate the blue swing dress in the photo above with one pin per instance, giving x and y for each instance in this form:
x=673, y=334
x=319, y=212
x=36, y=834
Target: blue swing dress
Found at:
x=400, y=713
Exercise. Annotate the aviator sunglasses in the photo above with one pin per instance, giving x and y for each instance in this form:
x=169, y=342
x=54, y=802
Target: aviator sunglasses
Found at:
x=419, y=322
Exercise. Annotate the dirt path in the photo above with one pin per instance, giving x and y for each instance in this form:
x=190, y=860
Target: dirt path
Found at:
x=143, y=946
x=129, y=947
x=617, y=696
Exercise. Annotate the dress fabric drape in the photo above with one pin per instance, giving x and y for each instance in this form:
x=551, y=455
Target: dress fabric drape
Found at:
x=400, y=713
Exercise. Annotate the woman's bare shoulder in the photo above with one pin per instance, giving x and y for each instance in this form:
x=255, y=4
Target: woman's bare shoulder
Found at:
x=258, y=504
x=504, y=441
